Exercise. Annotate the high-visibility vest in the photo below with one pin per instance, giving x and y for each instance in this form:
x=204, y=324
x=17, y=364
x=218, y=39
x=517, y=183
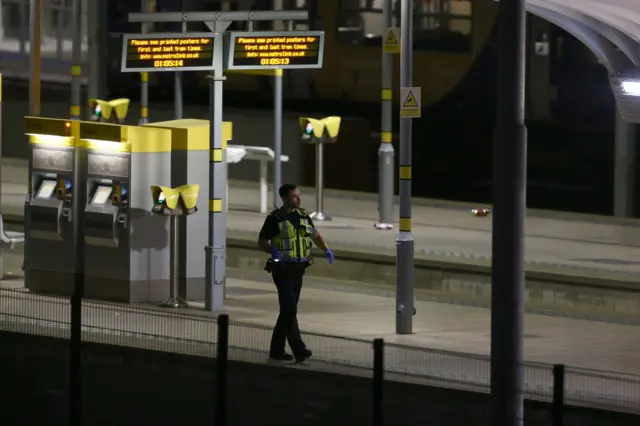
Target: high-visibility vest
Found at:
x=292, y=243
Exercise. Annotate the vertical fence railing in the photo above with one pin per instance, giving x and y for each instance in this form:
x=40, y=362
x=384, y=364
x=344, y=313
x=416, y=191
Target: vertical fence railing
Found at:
x=607, y=391
x=378, y=380
x=75, y=355
x=221, y=370
x=558, y=395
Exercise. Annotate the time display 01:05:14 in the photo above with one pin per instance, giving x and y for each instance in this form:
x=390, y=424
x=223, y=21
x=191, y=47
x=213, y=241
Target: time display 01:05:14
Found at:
x=274, y=61
x=169, y=63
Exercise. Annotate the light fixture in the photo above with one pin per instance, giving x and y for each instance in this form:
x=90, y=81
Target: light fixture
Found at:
x=631, y=87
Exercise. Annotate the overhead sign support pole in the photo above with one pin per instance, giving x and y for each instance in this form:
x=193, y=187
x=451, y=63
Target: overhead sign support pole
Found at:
x=144, y=76
x=216, y=249
x=218, y=22
x=177, y=93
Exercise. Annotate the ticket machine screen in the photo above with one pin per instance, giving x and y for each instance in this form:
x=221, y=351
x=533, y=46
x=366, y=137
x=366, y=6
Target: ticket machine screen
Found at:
x=102, y=195
x=46, y=189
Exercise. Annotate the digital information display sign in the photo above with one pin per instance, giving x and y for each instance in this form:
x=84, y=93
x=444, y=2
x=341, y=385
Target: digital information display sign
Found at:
x=167, y=52
x=275, y=49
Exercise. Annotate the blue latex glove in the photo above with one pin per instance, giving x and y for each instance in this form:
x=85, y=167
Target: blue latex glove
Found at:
x=275, y=254
x=329, y=255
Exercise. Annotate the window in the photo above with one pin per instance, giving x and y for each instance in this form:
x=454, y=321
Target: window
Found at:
x=439, y=25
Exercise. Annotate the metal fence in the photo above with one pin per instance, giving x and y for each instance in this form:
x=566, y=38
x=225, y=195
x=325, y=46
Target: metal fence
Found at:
x=195, y=333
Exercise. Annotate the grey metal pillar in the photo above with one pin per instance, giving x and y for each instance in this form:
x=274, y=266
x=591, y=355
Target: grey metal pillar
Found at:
x=96, y=53
x=216, y=248
x=277, y=135
x=404, y=240
x=624, y=180
x=35, y=14
x=278, y=80
x=509, y=205
x=76, y=67
x=386, y=153
x=29, y=171
x=177, y=94
x=144, y=76
x=174, y=301
x=319, y=214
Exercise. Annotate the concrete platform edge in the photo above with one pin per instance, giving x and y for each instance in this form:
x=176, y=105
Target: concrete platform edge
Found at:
x=457, y=281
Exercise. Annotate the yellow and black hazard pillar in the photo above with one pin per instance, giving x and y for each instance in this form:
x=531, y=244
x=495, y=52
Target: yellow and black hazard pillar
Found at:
x=215, y=266
x=76, y=67
x=404, y=241
x=144, y=98
x=147, y=6
x=386, y=154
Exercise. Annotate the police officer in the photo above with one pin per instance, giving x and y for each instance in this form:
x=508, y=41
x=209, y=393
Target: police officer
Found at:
x=287, y=235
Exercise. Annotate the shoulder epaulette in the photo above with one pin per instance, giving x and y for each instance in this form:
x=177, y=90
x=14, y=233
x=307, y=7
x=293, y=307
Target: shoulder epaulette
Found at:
x=303, y=212
x=277, y=213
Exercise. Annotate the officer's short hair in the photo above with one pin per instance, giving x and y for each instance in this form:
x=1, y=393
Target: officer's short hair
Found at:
x=286, y=189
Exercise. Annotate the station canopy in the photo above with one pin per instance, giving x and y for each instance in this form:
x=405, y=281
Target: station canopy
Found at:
x=621, y=15
x=611, y=30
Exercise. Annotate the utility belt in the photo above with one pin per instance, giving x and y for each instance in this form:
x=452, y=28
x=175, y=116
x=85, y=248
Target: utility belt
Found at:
x=273, y=264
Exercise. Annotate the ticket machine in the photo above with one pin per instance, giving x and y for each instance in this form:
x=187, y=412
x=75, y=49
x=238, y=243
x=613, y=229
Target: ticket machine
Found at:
x=190, y=165
x=53, y=206
x=126, y=248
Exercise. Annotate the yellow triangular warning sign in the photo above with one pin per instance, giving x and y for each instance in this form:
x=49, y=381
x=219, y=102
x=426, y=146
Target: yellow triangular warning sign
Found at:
x=391, y=39
x=410, y=101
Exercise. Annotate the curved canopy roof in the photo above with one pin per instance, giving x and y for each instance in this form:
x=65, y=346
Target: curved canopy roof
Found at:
x=600, y=24
x=623, y=15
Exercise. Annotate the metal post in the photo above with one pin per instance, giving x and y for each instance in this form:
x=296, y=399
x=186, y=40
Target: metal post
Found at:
x=1, y=260
x=277, y=135
x=144, y=76
x=94, y=57
x=174, y=301
x=222, y=358
x=24, y=25
x=404, y=240
x=76, y=68
x=386, y=153
x=278, y=78
x=558, y=395
x=177, y=95
x=624, y=167
x=319, y=214
x=216, y=248
x=75, y=340
x=509, y=204
x=34, y=81
x=378, y=381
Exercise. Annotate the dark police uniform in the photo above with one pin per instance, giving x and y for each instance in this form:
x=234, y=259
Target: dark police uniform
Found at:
x=290, y=234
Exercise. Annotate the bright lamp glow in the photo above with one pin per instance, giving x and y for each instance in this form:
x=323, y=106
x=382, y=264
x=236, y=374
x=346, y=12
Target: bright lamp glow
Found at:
x=631, y=87
x=106, y=145
x=51, y=140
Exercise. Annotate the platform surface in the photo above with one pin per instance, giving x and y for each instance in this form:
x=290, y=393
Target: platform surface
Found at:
x=558, y=241
x=339, y=324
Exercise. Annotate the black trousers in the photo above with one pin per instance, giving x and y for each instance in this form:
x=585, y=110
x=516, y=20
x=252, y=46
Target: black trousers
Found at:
x=288, y=280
